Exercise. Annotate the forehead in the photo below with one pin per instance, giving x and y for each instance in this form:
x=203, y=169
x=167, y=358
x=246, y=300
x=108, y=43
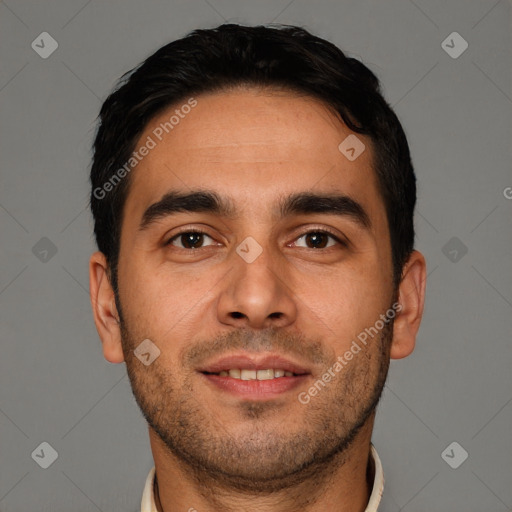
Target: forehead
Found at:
x=249, y=144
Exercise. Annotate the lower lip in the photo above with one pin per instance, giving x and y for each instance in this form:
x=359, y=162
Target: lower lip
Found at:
x=256, y=389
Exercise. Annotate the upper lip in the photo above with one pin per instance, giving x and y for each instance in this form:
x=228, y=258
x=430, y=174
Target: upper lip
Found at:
x=253, y=362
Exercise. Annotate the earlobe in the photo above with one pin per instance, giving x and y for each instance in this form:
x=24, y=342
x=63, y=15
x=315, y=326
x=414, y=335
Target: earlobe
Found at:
x=411, y=300
x=104, y=308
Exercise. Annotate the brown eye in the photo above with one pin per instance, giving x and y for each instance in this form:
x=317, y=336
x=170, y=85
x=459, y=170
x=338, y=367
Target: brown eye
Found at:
x=317, y=240
x=189, y=240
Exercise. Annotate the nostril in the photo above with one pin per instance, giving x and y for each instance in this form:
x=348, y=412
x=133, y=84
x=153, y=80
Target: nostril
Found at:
x=237, y=314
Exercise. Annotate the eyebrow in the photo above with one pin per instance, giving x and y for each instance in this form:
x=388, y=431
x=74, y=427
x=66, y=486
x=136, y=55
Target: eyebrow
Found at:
x=205, y=201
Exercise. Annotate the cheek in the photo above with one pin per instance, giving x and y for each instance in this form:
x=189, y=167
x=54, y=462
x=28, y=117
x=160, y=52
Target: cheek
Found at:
x=346, y=303
x=164, y=304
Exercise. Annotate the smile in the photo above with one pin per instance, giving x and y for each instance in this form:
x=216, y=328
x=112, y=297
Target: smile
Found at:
x=248, y=374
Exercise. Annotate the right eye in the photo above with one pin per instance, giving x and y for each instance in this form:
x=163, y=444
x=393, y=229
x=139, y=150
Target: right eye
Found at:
x=189, y=240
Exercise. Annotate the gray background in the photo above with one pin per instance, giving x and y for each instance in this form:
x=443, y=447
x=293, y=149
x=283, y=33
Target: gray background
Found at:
x=55, y=385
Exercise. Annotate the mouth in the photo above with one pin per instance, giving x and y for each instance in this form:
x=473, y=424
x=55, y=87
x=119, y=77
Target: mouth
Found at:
x=248, y=374
x=254, y=377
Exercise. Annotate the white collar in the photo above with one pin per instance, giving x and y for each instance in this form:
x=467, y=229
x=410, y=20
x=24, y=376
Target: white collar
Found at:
x=148, y=499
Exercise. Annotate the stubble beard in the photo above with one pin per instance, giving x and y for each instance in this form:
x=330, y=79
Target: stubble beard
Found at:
x=258, y=457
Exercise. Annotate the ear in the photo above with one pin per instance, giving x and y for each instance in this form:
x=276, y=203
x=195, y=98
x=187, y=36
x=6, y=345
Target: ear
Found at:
x=411, y=299
x=104, y=308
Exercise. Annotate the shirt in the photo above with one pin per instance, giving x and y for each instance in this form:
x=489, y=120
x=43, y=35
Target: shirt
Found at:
x=148, y=498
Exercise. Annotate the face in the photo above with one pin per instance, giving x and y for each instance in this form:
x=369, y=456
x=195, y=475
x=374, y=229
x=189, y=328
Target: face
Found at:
x=252, y=246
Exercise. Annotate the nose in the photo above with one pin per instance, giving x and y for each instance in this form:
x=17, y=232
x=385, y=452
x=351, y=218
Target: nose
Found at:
x=257, y=295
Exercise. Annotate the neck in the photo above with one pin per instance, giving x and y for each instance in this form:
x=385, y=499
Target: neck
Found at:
x=341, y=484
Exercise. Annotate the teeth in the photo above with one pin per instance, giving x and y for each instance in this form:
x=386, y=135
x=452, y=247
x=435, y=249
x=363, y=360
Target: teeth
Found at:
x=248, y=374
x=243, y=374
x=265, y=374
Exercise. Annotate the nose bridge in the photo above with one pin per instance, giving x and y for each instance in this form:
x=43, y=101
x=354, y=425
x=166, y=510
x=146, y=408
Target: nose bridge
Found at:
x=255, y=293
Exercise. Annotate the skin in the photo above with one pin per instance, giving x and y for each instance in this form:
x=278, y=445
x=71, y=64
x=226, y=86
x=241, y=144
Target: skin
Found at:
x=213, y=450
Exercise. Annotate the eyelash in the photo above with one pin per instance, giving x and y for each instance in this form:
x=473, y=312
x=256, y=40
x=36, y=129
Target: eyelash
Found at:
x=323, y=231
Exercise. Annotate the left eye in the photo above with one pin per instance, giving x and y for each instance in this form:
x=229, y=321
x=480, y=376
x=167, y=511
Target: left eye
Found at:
x=317, y=240
x=189, y=240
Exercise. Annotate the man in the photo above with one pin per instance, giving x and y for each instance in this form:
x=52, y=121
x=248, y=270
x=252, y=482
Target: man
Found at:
x=253, y=199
